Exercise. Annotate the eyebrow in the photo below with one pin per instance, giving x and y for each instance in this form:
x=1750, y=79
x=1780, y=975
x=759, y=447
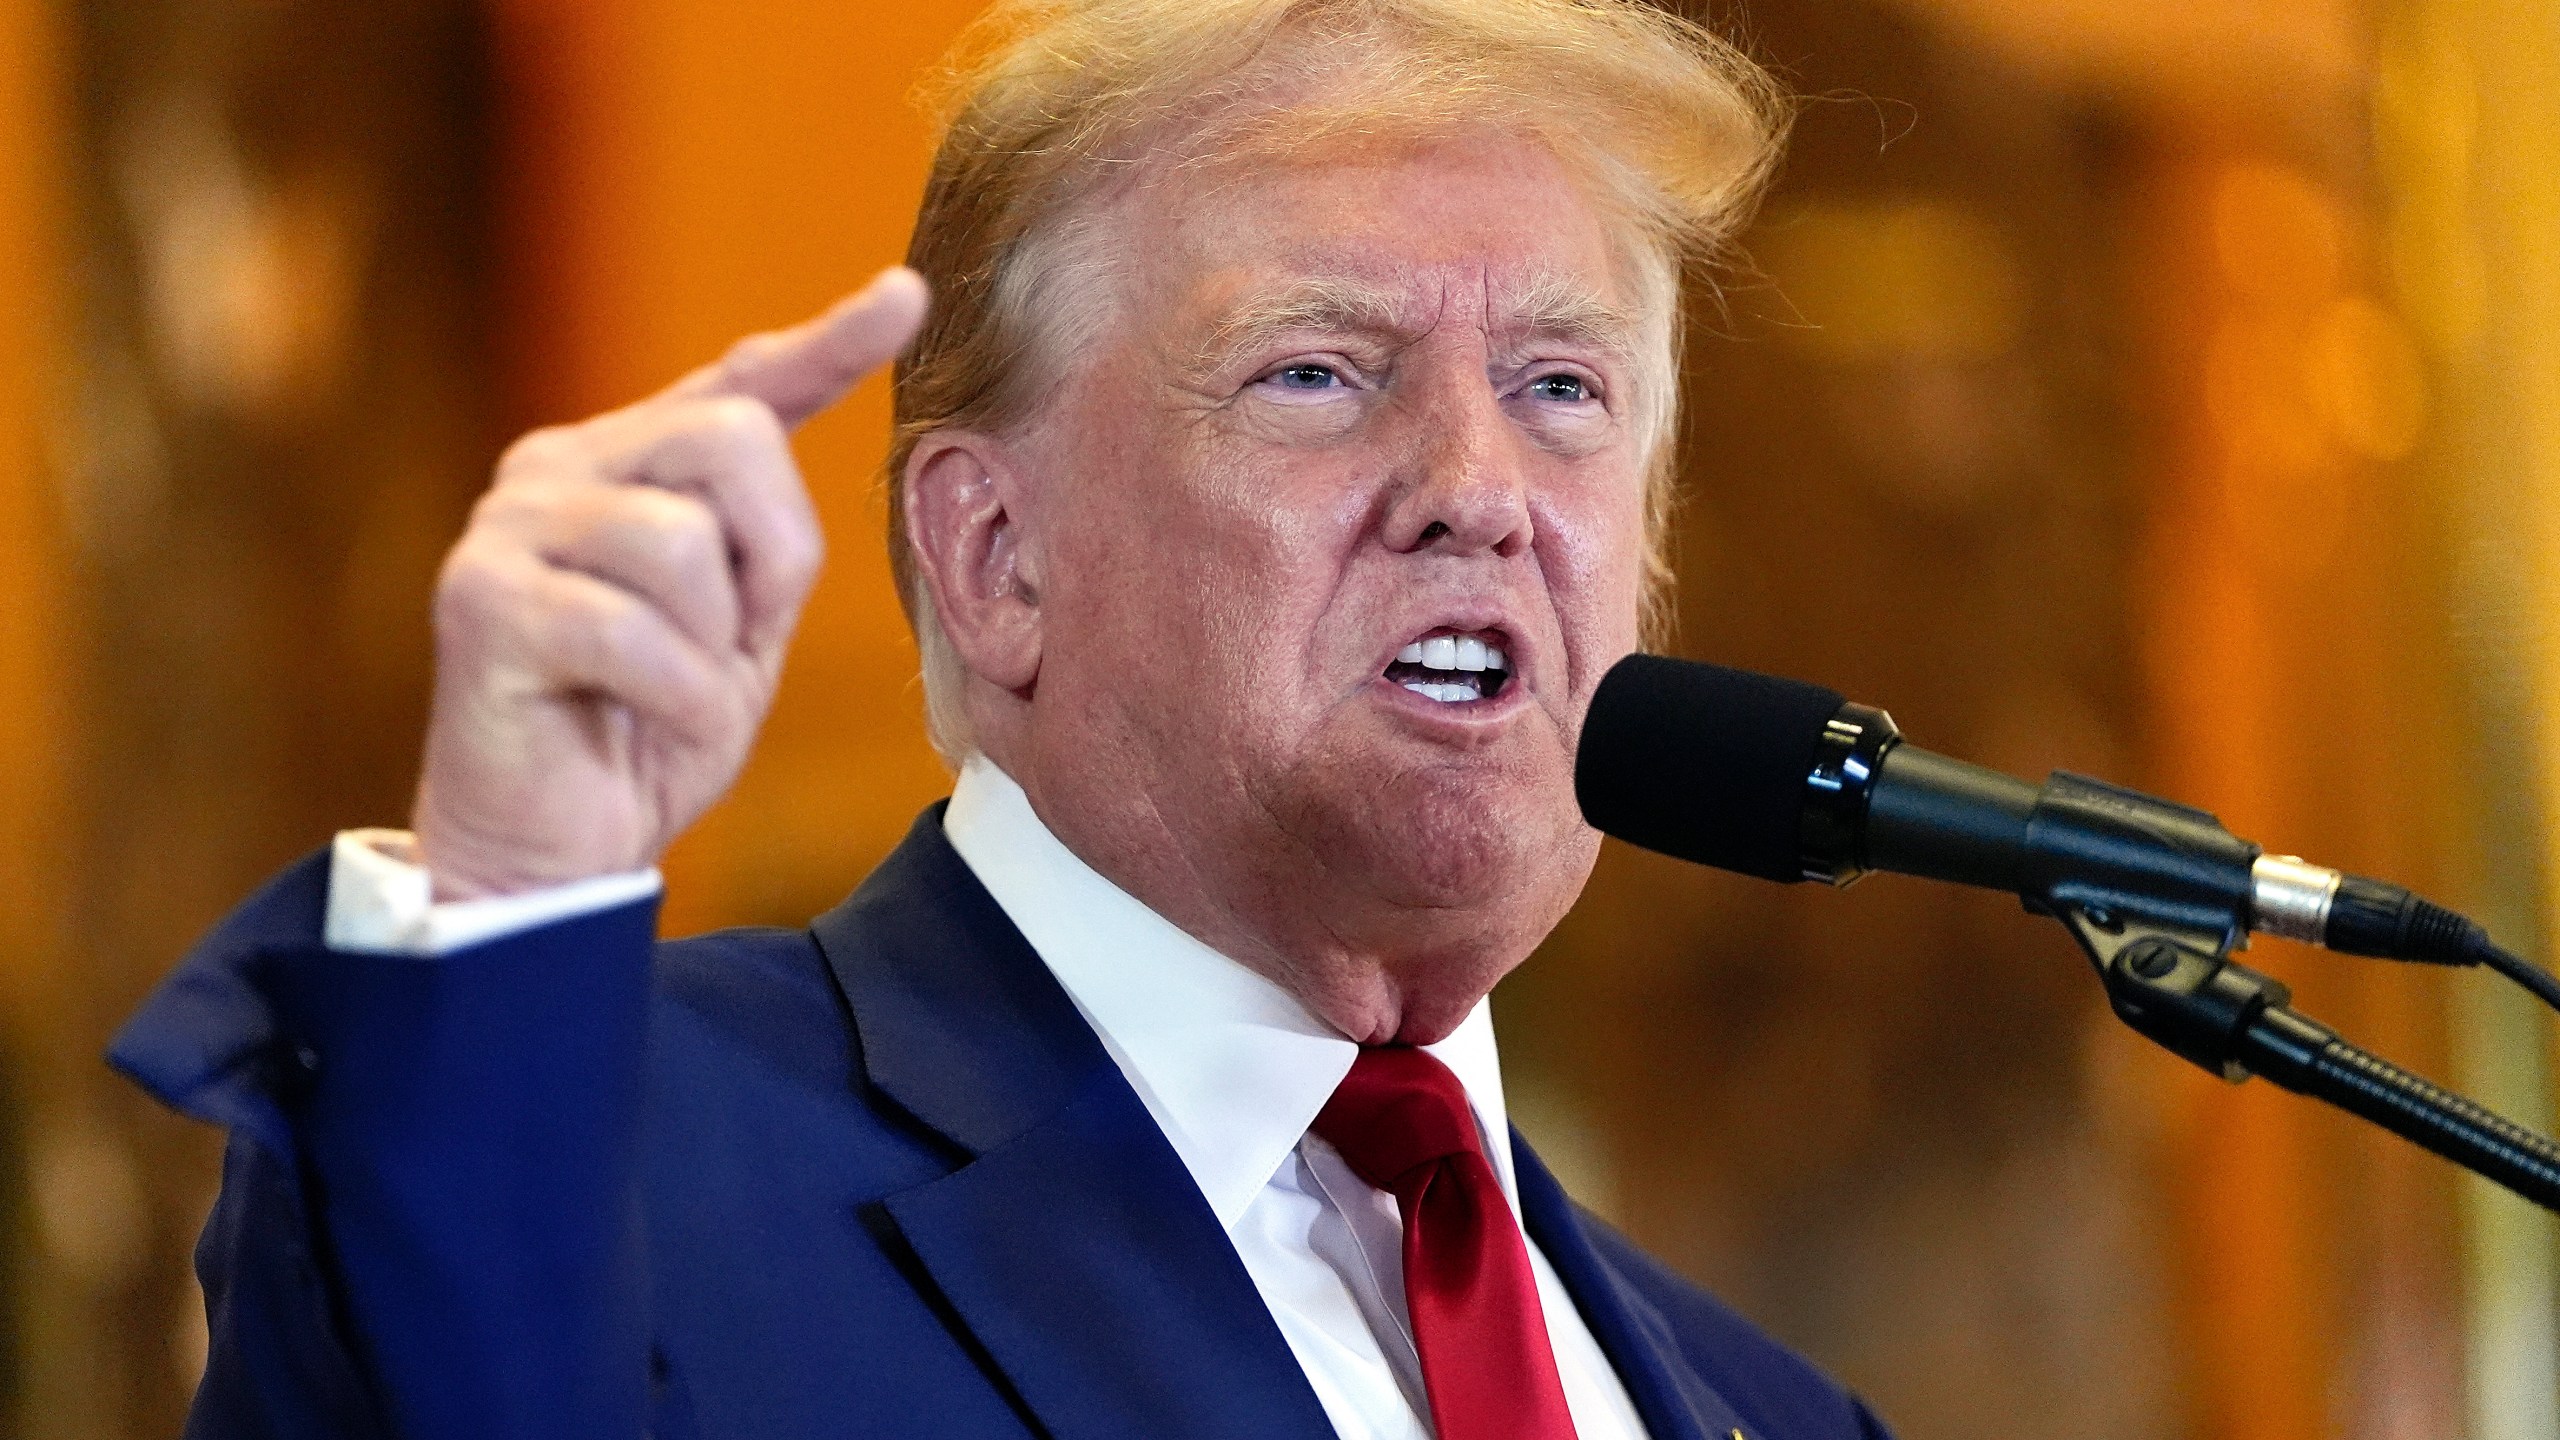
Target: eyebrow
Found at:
x=1550, y=307
x=1554, y=307
x=1314, y=304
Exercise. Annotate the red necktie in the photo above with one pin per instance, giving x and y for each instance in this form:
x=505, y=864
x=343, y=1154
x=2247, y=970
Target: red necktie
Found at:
x=1401, y=1121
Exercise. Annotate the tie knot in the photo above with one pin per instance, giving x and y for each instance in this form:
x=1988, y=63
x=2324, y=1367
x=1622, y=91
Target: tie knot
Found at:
x=1397, y=1111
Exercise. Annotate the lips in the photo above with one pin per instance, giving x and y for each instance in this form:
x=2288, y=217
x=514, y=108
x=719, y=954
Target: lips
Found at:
x=1453, y=667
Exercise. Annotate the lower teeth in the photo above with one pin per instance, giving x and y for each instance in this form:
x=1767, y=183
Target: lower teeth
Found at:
x=1446, y=693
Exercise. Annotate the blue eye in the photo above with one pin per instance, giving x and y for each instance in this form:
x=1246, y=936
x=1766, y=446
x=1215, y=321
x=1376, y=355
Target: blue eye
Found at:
x=1564, y=387
x=1304, y=375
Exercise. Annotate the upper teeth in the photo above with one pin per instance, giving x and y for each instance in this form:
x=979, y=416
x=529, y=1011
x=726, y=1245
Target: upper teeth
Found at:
x=1453, y=652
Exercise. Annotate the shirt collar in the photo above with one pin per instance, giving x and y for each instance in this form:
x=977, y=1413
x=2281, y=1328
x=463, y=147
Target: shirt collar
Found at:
x=1232, y=1066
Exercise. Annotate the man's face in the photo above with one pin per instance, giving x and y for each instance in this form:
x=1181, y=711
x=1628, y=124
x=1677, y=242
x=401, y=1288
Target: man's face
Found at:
x=1335, y=532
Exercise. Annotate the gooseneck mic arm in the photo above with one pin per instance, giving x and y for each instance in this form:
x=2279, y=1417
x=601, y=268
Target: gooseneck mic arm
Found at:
x=1790, y=782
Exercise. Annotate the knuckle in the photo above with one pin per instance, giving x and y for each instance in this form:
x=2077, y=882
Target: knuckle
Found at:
x=552, y=448
x=515, y=501
x=494, y=505
x=621, y=637
x=740, y=425
x=753, y=353
x=675, y=531
x=586, y=634
x=468, y=587
x=799, y=552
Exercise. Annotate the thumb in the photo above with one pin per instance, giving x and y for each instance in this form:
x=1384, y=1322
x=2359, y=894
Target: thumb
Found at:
x=803, y=370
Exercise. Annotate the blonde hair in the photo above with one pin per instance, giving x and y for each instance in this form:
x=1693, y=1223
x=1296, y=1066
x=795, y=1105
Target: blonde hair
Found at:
x=1045, y=102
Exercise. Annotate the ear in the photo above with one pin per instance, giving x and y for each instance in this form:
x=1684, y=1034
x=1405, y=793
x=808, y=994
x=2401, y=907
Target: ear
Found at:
x=965, y=531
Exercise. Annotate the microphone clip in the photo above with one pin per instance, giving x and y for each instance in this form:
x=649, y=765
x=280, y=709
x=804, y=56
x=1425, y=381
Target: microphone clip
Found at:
x=2176, y=985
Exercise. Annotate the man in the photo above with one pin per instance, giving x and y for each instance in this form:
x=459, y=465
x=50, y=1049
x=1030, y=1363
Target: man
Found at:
x=1281, y=467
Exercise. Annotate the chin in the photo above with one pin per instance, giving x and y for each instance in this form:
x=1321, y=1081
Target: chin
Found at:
x=1423, y=884
x=1502, y=848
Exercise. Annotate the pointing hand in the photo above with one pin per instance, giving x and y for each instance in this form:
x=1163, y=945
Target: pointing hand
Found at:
x=611, y=625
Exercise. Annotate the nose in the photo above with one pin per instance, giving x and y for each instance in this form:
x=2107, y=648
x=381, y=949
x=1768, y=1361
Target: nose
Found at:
x=1463, y=489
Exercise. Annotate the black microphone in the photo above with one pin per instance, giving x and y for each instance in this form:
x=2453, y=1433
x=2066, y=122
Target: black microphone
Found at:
x=1790, y=781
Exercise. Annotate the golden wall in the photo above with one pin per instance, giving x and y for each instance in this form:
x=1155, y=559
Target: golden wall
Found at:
x=2166, y=395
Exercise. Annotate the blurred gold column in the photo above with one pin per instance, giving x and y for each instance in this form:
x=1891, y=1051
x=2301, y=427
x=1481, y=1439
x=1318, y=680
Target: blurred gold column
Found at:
x=31, y=584
x=2467, y=111
x=2302, y=680
x=44, y=1295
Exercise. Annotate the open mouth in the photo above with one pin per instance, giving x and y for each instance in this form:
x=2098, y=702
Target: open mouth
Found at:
x=1451, y=668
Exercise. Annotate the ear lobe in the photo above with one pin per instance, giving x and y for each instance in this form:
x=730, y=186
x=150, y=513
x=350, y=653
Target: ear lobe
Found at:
x=968, y=540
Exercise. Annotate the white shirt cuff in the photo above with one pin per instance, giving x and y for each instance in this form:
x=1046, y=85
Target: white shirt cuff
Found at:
x=382, y=902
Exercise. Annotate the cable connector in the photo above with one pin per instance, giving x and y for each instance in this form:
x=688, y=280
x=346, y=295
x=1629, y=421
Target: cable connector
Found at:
x=2373, y=917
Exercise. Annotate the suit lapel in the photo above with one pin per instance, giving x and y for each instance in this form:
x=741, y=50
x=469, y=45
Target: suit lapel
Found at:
x=1675, y=1402
x=1087, y=1265
x=1070, y=1240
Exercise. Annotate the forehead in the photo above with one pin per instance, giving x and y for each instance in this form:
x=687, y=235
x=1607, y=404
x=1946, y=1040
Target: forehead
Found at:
x=1486, y=221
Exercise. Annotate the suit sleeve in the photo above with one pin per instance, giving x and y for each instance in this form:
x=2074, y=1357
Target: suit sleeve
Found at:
x=430, y=1220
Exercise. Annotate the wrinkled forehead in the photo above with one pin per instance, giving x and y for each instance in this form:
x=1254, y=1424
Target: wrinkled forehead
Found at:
x=1487, y=228
x=1512, y=305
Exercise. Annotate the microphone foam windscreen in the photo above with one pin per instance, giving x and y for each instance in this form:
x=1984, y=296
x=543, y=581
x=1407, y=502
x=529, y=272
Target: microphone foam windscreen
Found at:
x=1702, y=762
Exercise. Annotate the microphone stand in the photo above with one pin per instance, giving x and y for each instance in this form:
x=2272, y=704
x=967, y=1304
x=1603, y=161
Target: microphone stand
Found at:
x=2176, y=985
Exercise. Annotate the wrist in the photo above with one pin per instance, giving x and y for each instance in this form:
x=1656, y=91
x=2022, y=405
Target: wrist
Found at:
x=464, y=864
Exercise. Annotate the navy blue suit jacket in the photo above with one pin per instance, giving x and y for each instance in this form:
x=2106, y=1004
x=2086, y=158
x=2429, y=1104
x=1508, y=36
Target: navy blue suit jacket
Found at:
x=875, y=1177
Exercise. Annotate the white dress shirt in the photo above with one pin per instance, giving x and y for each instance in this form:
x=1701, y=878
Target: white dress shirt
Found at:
x=1232, y=1067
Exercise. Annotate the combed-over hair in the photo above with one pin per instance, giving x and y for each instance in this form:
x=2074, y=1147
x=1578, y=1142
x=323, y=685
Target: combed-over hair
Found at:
x=1044, y=103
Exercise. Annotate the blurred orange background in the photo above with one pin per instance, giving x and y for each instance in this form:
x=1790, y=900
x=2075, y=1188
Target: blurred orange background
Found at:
x=2169, y=393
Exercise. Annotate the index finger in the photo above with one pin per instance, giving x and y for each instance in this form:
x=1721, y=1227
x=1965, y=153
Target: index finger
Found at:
x=803, y=370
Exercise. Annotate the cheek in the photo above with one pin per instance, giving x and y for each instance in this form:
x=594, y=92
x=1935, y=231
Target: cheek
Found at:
x=1271, y=529
x=1188, y=568
x=1593, y=557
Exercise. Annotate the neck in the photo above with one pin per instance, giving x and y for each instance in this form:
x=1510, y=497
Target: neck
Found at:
x=1375, y=973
